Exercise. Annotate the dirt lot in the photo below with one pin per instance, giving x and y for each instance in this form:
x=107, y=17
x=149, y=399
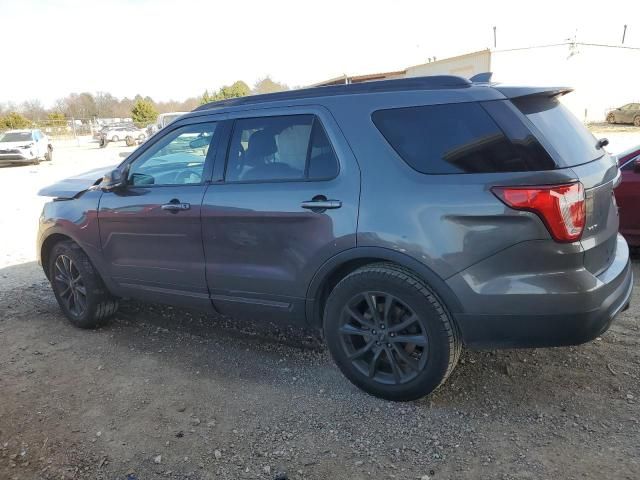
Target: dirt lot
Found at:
x=168, y=393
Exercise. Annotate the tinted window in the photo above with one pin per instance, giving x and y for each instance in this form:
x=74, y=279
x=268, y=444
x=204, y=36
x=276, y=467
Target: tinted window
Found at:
x=293, y=147
x=564, y=132
x=323, y=162
x=453, y=138
x=525, y=143
x=176, y=159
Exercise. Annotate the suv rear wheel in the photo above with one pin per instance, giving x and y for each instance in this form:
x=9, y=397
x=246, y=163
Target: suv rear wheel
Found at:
x=78, y=288
x=636, y=121
x=389, y=334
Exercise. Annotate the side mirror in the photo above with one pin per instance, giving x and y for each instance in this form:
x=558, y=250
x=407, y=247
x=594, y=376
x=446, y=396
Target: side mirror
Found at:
x=112, y=180
x=636, y=165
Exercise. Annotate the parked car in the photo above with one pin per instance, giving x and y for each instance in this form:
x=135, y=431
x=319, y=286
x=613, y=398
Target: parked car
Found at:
x=405, y=219
x=128, y=133
x=165, y=119
x=24, y=146
x=629, y=113
x=628, y=195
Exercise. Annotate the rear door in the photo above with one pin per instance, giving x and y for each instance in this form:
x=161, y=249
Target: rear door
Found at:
x=150, y=230
x=284, y=202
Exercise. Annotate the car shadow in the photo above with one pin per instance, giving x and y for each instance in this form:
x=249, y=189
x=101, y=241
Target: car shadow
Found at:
x=248, y=351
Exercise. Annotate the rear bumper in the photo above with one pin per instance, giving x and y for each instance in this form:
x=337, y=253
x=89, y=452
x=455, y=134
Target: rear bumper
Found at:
x=561, y=308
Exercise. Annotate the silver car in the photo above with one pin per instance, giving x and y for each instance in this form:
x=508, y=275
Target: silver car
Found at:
x=24, y=146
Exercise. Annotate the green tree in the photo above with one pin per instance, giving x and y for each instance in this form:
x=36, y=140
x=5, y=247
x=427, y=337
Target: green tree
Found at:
x=235, y=90
x=143, y=112
x=14, y=120
x=56, y=117
x=268, y=85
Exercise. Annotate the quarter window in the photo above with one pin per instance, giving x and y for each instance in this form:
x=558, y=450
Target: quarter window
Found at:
x=293, y=147
x=176, y=159
x=452, y=138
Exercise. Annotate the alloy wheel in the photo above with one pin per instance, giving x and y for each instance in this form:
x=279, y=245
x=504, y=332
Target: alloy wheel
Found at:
x=383, y=338
x=70, y=286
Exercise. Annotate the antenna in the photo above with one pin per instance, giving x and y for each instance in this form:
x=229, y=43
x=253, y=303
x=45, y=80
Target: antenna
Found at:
x=624, y=33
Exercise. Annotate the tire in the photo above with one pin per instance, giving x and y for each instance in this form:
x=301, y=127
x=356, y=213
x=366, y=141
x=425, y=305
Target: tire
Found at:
x=90, y=309
x=415, y=313
x=611, y=118
x=35, y=161
x=636, y=120
x=115, y=138
x=49, y=155
x=129, y=141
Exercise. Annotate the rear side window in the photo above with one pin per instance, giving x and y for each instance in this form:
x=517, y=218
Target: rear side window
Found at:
x=567, y=135
x=452, y=138
x=291, y=147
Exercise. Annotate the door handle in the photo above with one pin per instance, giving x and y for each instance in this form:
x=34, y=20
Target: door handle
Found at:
x=175, y=206
x=321, y=204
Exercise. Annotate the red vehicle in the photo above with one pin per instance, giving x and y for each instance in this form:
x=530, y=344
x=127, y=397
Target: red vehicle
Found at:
x=628, y=195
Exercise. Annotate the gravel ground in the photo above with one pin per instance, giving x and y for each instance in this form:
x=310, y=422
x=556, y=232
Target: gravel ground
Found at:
x=168, y=393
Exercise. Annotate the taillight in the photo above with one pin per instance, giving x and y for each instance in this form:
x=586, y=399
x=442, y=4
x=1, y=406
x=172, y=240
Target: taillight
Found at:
x=561, y=207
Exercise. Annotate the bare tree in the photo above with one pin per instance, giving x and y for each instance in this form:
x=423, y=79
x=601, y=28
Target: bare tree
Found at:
x=33, y=110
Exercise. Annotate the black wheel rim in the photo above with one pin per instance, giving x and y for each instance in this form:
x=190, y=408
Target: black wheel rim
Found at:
x=70, y=286
x=383, y=338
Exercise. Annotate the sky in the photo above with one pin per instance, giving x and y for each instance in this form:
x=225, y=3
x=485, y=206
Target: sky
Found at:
x=177, y=49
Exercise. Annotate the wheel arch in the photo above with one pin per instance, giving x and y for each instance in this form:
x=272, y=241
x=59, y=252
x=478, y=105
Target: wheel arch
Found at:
x=342, y=264
x=47, y=246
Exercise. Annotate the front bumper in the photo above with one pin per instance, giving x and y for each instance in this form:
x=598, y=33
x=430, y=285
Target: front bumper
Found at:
x=14, y=157
x=546, y=310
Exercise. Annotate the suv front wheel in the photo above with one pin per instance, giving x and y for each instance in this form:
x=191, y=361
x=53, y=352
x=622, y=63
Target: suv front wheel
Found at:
x=389, y=334
x=78, y=288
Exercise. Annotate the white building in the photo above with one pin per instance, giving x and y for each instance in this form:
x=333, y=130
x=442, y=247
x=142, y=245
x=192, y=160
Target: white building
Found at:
x=603, y=76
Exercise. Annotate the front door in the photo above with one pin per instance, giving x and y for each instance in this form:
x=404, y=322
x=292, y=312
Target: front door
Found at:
x=150, y=229
x=286, y=202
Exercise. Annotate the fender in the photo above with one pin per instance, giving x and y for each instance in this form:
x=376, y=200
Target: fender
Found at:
x=375, y=254
x=83, y=229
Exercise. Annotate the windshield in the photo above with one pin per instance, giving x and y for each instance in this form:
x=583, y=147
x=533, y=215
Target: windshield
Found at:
x=16, y=137
x=561, y=129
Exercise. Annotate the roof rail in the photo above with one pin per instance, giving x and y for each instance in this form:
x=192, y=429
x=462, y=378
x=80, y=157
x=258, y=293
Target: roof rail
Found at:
x=434, y=82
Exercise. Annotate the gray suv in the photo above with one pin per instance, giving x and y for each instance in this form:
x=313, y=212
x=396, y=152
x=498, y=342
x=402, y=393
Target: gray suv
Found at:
x=405, y=219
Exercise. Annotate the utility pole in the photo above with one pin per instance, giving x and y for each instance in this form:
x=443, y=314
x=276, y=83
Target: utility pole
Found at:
x=495, y=40
x=73, y=123
x=624, y=34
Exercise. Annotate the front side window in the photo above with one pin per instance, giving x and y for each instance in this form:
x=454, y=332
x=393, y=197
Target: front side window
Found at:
x=293, y=147
x=176, y=159
x=451, y=138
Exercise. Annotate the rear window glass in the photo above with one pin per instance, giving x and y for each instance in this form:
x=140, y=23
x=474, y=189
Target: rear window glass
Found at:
x=567, y=135
x=452, y=138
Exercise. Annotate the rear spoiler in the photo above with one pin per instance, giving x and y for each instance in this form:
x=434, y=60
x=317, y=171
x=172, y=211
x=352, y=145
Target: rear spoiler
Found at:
x=519, y=92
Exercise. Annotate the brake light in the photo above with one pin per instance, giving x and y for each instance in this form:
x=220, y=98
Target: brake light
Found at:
x=561, y=207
